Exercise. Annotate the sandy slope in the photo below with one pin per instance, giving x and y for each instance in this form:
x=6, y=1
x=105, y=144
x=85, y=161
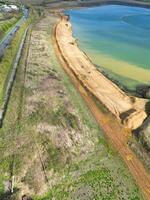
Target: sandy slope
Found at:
x=130, y=110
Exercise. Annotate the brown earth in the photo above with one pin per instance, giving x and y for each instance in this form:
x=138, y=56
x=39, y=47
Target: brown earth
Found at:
x=88, y=81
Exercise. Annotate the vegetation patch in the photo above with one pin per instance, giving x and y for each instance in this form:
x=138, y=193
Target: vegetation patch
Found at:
x=6, y=22
x=98, y=184
x=62, y=117
x=7, y=61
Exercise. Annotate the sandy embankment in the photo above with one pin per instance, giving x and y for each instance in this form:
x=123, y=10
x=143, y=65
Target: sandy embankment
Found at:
x=128, y=109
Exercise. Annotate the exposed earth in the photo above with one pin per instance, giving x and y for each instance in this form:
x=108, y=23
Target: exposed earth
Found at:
x=130, y=110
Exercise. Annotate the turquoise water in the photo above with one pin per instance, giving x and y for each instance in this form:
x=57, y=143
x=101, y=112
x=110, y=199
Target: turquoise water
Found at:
x=118, y=33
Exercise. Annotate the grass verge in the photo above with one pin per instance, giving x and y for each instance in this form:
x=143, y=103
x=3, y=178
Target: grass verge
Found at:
x=7, y=60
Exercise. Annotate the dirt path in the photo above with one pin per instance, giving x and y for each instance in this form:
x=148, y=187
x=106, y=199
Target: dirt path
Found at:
x=114, y=131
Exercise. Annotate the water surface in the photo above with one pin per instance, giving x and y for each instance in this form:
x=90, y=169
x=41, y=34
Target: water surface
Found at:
x=117, y=38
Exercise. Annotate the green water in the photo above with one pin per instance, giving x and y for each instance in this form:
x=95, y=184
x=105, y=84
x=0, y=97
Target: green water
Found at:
x=117, y=39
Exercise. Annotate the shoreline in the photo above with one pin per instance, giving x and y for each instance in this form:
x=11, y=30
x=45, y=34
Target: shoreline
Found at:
x=141, y=89
x=114, y=132
x=114, y=99
x=85, y=4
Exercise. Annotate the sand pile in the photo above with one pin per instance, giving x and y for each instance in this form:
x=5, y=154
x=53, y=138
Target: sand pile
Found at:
x=128, y=109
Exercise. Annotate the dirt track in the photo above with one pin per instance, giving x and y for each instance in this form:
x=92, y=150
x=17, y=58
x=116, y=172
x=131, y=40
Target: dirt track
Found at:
x=114, y=131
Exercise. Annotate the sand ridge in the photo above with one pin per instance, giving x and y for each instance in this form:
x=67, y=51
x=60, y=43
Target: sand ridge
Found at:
x=128, y=109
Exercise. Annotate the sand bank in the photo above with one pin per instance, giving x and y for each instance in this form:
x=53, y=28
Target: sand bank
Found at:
x=128, y=109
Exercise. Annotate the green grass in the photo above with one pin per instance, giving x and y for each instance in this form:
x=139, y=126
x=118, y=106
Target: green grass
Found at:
x=96, y=183
x=9, y=135
x=6, y=62
x=7, y=24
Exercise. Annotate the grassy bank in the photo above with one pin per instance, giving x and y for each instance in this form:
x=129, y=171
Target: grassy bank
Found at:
x=7, y=24
x=7, y=60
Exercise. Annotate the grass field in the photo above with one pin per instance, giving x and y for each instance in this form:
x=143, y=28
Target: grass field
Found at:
x=7, y=61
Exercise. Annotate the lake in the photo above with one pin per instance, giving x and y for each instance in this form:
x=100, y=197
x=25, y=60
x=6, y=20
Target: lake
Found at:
x=117, y=39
